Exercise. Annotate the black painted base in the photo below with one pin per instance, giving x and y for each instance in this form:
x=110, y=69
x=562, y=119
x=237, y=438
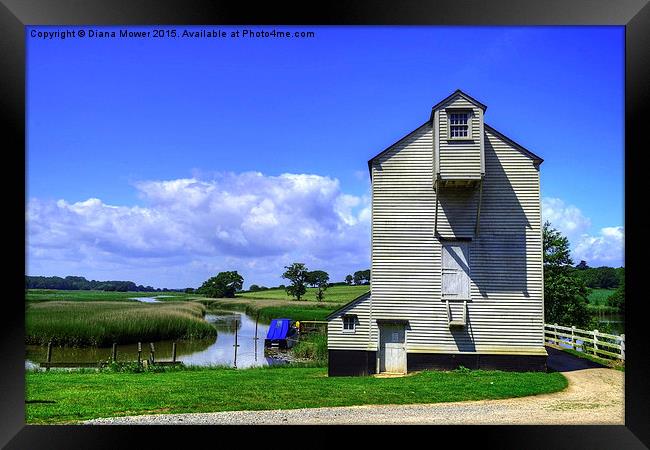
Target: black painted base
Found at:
x=350, y=363
x=518, y=363
x=360, y=363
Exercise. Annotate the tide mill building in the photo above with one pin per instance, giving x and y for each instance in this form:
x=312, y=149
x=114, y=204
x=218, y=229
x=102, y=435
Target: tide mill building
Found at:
x=457, y=275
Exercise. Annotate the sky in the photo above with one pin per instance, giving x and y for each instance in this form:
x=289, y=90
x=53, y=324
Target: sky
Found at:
x=166, y=160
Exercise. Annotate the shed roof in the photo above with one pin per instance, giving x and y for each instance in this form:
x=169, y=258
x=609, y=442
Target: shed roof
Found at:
x=357, y=300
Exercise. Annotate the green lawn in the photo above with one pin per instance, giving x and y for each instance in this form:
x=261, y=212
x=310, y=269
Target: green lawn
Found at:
x=43, y=295
x=65, y=397
x=336, y=294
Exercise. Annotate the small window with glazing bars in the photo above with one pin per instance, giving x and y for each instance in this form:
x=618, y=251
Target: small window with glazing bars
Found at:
x=349, y=323
x=459, y=125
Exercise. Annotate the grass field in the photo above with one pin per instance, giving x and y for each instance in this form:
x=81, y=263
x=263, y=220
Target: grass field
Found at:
x=598, y=301
x=336, y=294
x=44, y=295
x=272, y=309
x=100, y=323
x=66, y=397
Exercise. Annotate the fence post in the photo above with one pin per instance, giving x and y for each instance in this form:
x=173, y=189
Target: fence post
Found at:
x=49, y=355
x=152, y=356
x=174, y=352
x=623, y=347
x=139, y=353
x=557, y=342
x=114, y=352
x=595, y=342
x=573, y=338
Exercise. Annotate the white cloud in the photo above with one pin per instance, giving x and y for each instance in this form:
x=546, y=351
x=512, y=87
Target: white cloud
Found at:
x=566, y=218
x=607, y=247
x=190, y=228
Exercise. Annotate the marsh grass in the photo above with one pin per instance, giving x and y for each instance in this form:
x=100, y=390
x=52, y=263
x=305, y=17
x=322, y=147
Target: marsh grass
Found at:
x=103, y=323
x=312, y=346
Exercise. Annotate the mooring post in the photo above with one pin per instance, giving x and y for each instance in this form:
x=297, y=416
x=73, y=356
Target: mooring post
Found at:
x=114, y=352
x=152, y=350
x=236, y=345
x=139, y=353
x=257, y=318
x=174, y=352
x=49, y=355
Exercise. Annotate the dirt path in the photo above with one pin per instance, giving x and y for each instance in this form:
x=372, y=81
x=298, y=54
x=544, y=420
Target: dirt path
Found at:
x=595, y=396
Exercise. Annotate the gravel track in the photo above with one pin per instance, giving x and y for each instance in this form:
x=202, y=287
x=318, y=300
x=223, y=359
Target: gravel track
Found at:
x=595, y=395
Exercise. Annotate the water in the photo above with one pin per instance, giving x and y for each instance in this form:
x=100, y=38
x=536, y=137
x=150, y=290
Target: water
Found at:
x=145, y=299
x=207, y=352
x=611, y=323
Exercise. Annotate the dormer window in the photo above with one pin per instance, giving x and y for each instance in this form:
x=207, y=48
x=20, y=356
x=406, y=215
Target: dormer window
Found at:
x=459, y=125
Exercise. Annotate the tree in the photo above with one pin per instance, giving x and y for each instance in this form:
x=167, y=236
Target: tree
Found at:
x=565, y=296
x=254, y=288
x=362, y=277
x=225, y=284
x=348, y=280
x=318, y=279
x=617, y=299
x=189, y=290
x=296, y=273
x=582, y=265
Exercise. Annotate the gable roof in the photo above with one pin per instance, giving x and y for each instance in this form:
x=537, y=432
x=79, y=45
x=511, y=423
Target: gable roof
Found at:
x=467, y=97
x=393, y=145
x=349, y=304
x=533, y=156
x=524, y=150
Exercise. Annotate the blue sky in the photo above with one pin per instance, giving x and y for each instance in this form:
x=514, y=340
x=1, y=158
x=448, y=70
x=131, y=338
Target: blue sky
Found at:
x=121, y=132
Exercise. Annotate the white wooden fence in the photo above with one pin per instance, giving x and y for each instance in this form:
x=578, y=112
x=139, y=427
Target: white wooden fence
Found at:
x=603, y=345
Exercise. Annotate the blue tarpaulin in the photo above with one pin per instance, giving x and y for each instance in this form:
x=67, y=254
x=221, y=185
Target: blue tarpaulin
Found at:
x=278, y=329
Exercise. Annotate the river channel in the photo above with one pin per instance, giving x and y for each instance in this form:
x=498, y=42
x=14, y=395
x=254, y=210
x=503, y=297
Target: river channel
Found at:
x=210, y=352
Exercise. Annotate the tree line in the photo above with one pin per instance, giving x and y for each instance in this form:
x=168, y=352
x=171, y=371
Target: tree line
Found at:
x=73, y=283
x=227, y=284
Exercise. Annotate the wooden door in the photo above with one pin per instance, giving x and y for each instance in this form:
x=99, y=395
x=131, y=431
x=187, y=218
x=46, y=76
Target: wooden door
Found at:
x=392, y=352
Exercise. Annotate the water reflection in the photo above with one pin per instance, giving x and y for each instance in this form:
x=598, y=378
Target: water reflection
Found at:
x=207, y=352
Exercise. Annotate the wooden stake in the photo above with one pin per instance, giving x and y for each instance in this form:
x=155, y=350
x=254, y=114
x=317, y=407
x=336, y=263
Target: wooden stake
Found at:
x=174, y=352
x=236, y=345
x=139, y=353
x=49, y=354
x=152, y=356
x=114, y=353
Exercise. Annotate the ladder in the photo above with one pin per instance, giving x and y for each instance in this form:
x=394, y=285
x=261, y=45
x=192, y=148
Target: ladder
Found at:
x=456, y=323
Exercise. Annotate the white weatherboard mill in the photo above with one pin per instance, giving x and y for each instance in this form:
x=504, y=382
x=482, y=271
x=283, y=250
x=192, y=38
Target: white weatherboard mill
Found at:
x=457, y=276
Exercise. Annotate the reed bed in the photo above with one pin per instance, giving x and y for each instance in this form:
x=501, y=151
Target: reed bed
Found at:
x=103, y=323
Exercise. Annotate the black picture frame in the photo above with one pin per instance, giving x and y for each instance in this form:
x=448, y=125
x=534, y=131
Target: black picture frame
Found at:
x=634, y=15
